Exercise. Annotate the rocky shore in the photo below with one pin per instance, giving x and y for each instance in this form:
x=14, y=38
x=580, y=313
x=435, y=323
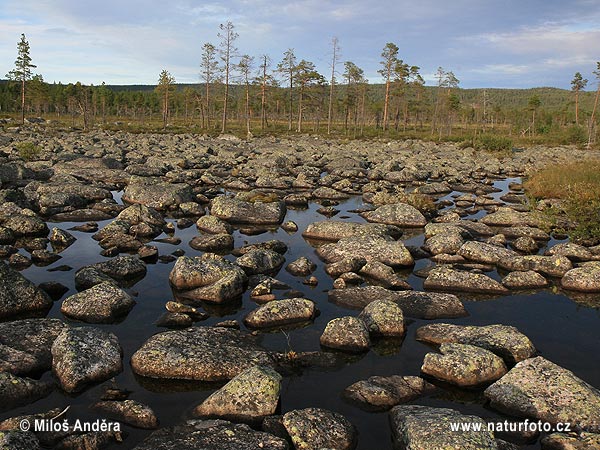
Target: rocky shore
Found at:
x=404, y=238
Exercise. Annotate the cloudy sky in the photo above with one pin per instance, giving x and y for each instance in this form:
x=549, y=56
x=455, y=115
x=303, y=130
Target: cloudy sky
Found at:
x=486, y=43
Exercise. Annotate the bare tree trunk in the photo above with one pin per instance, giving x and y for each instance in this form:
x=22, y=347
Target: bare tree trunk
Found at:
x=334, y=43
x=387, y=99
x=23, y=101
x=591, y=127
x=299, y=129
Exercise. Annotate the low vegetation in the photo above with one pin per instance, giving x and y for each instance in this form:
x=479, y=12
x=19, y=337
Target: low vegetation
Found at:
x=577, y=186
x=28, y=150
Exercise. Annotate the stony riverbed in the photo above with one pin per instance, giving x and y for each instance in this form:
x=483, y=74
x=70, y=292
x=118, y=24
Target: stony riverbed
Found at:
x=288, y=293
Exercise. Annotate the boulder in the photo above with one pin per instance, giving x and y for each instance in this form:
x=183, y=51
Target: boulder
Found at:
x=507, y=217
x=316, y=428
x=122, y=267
x=524, y=280
x=383, y=318
x=103, y=303
x=346, y=334
x=485, y=253
x=199, y=353
x=213, y=225
x=373, y=248
x=334, y=230
x=447, y=279
x=585, y=278
x=222, y=242
x=19, y=297
x=280, y=313
x=301, y=267
x=538, y=388
x=574, y=252
x=505, y=341
x=260, y=262
x=157, y=194
x=398, y=214
x=248, y=397
x=16, y=391
x=564, y=441
x=61, y=239
x=239, y=211
x=83, y=356
x=23, y=225
x=130, y=412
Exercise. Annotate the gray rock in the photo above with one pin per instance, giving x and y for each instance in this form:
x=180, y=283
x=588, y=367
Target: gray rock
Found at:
x=485, y=253
x=382, y=393
x=525, y=244
x=419, y=305
x=554, y=266
x=19, y=297
x=351, y=264
x=281, y=312
x=199, y=353
x=93, y=440
x=260, y=262
x=61, y=239
x=505, y=341
x=143, y=214
x=398, y=214
x=25, y=345
x=383, y=318
x=424, y=427
x=82, y=356
x=447, y=279
x=103, y=303
x=383, y=275
x=26, y=225
x=239, y=211
x=89, y=276
x=372, y=248
x=585, y=278
x=19, y=440
x=249, y=397
x=524, y=280
x=563, y=441
x=213, y=435
x=329, y=194
x=574, y=252
x=334, y=230
x=122, y=267
x=507, y=217
x=301, y=267
x=130, y=412
x=316, y=428
x=17, y=391
x=448, y=243
x=346, y=334
x=213, y=225
x=529, y=232
x=538, y=388
x=464, y=365
x=157, y=194
x=208, y=277
x=213, y=242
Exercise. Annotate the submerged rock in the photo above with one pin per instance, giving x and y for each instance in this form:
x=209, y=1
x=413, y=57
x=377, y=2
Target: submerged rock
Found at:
x=199, y=353
x=316, y=428
x=19, y=297
x=505, y=341
x=382, y=393
x=249, y=397
x=16, y=391
x=538, y=388
x=130, y=412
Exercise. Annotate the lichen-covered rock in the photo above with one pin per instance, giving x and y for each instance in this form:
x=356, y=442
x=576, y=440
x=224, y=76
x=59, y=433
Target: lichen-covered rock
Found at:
x=19, y=297
x=447, y=279
x=524, y=280
x=574, y=252
x=384, y=275
x=280, y=313
x=525, y=244
x=213, y=225
x=103, y=303
x=25, y=345
x=316, y=428
x=563, y=441
x=585, y=278
x=157, y=194
x=507, y=217
x=334, y=230
x=90, y=276
x=16, y=391
x=122, y=267
x=424, y=427
x=485, y=253
x=239, y=211
x=383, y=318
x=301, y=267
x=249, y=397
x=130, y=412
x=61, y=239
x=398, y=214
x=378, y=248
x=222, y=242
x=554, y=266
x=199, y=353
x=208, y=277
x=82, y=356
x=382, y=393
x=415, y=304
x=350, y=264
x=444, y=243
x=19, y=440
x=26, y=225
x=464, y=365
x=505, y=341
x=213, y=435
x=346, y=334
x=143, y=214
x=538, y=388
x=260, y=261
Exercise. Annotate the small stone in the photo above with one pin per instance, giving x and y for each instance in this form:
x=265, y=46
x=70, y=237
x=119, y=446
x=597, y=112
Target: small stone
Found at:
x=301, y=267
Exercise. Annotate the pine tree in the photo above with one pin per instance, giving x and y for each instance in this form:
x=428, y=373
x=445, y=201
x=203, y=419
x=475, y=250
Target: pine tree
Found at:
x=578, y=84
x=22, y=71
x=287, y=67
x=210, y=71
x=164, y=88
x=228, y=51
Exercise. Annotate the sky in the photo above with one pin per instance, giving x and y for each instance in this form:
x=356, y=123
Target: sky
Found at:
x=485, y=43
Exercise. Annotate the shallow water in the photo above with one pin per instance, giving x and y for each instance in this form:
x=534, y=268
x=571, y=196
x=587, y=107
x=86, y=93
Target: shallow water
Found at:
x=564, y=331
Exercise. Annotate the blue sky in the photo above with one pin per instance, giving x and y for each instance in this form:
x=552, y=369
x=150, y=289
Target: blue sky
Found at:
x=501, y=43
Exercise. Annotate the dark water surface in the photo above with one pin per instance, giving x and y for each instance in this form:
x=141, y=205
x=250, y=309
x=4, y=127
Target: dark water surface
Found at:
x=564, y=330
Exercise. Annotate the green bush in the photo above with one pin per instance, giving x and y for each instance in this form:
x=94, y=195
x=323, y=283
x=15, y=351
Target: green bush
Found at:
x=28, y=150
x=576, y=135
x=493, y=143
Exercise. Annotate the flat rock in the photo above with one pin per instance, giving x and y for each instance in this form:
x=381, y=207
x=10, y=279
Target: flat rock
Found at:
x=383, y=318
x=485, y=253
x=19, y=297
x=222, y=242
x=26, y=225
x=122, y=267
x=538, y=388
x=505, y=341
x=213, y=225
x=382, y=393
x=507, y=217
x=378, y=248
x=563, y=441
x=213, y=435
x=19, y=440
x=249, y=397
x=157, y=194
x=524, y=280
x=334, y=230
x=130, y=412
x=424, y=427
x=585, y=278
x=398, y=214
x=415, y=304
x=260, y=261
x=574, y=252
x=447, y=243
x=447, y=279
x=103, y=303
x=199, y=353
x=346, y=334
x=239, y=211
x=16, y=391
x=82, y=356
x=316, y=428
x=281, y=312
x=464, y=365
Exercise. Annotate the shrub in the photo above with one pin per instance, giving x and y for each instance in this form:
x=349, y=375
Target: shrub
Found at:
x=493, y=143
x=576, y=135
x=28, y=150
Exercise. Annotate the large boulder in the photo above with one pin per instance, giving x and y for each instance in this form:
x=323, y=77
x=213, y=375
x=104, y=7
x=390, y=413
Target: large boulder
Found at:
x=122, y=267
x=209, y=278
x=19, y=297
x=538, y=388
x=83, y=356
x=199, y=353
x=103, y=303
x=157, y=194
x=316, y=428
x=260, y=261
x=334, y=230
x=448, y=279
x=485, y=253
x=239, y=211
x=281, y=313
x=373, y=248
x=346, y=334
x=398, y=214
x=584, y=279
x=249, y=397
x=17, y=391
x=505, y=341
x=383, y=318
